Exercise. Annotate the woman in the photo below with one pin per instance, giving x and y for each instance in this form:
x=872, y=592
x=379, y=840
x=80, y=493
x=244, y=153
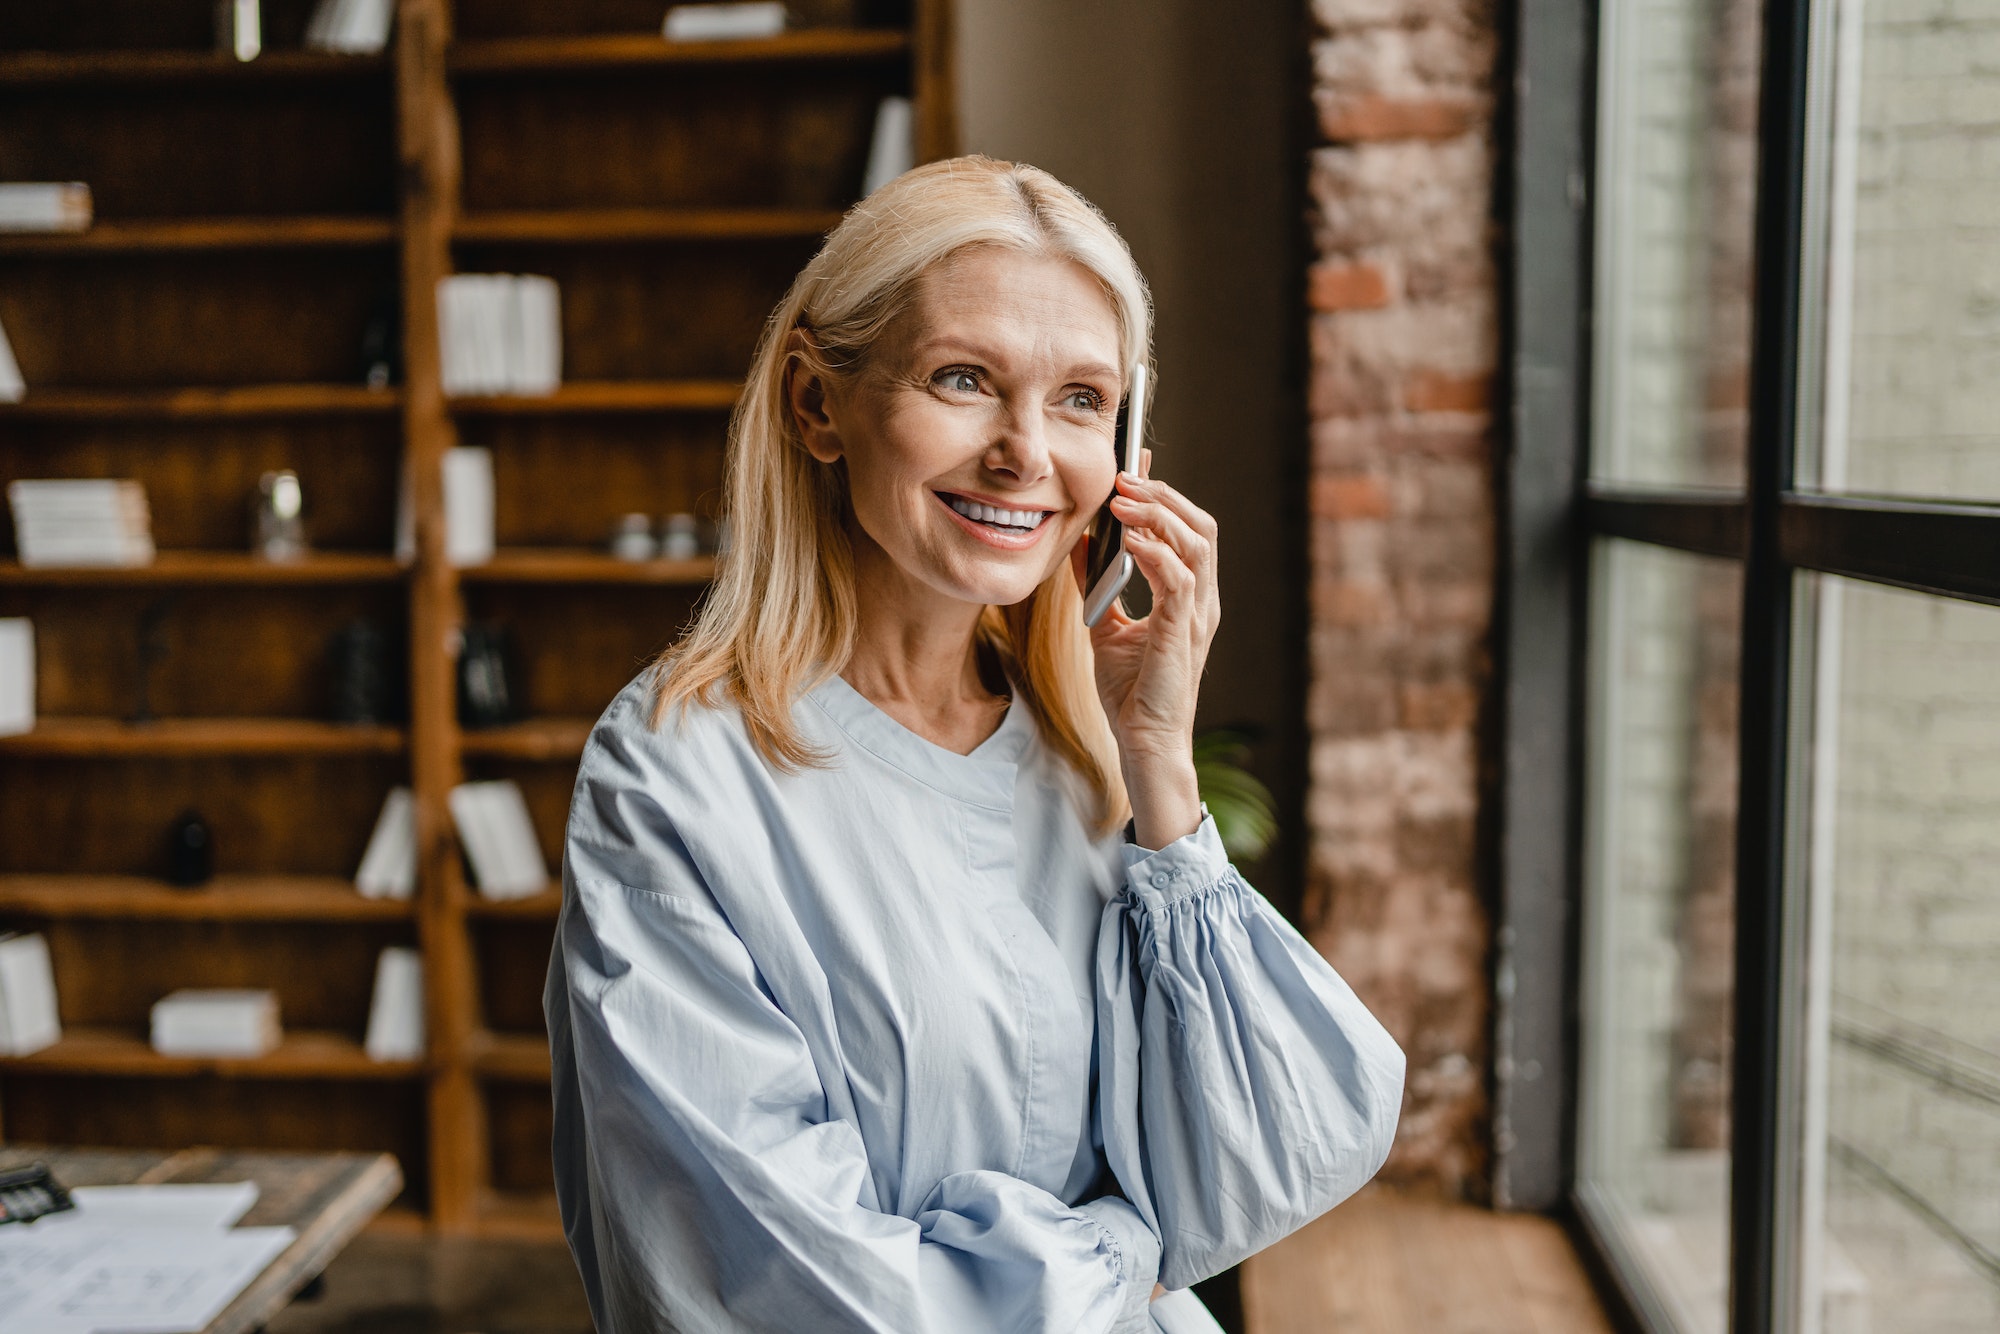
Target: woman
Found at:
x=864, y=1015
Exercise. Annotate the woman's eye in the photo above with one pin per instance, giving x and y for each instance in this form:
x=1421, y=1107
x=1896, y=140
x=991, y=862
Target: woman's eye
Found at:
x=958, y=381
x=1086, y=399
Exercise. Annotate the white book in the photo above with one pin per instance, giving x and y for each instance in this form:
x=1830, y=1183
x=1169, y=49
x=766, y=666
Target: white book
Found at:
x=351, y=27
x=499, y=839
x=216, y=1022
x=12, y=387
x=535, y=349
x=17, y=675
x=724, y=23
x=81, y=521
x=892, y=150
x=468, y=505
x=44, y=206
x=28, y=1019
x=389, y=866
x=396, y=1009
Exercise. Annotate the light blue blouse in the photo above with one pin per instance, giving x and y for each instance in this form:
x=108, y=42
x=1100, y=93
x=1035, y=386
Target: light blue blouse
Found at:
x=897, y=1044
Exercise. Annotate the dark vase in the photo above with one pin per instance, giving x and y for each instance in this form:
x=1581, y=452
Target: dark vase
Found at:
x=190, y=851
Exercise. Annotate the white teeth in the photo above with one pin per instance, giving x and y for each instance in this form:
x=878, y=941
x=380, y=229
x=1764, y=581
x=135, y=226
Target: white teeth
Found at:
x=993, y=514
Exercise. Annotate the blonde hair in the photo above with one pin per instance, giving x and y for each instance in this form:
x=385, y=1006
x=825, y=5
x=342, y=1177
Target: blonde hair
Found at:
x=780, y=616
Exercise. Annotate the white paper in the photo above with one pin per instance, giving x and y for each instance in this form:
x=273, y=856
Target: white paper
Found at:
x=17, y=675
x=206, y=1204
x=66, y=1274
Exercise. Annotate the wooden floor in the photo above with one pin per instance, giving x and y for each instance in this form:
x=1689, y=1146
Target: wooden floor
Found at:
x=1388, y=1264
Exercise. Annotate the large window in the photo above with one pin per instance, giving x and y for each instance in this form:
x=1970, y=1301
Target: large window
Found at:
x=1783, y=699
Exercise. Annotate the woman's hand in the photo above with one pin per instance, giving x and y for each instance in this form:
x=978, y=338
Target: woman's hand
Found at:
x=1149, y=671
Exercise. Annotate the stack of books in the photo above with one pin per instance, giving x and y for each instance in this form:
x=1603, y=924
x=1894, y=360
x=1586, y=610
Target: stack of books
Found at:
x=351, y=27
x=81, y=521
x=499, y=839
x=28, y=1020
x=44, y=206
x=738, y=22
x=220, y=1022
x=12, y=387
x=501, y=333
x=389, y=866
x=17, y=675
x=396, y=1010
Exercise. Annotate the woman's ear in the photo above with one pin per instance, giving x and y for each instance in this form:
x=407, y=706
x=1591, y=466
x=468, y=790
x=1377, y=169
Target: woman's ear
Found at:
x=805, y=397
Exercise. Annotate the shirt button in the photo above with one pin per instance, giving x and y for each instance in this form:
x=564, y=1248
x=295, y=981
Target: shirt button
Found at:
x=1161, y=880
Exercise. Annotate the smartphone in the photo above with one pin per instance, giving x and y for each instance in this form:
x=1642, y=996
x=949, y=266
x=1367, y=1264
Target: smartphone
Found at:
x=1108, y=565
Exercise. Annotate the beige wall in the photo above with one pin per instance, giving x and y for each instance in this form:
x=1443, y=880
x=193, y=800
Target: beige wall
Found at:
x=1179, y=120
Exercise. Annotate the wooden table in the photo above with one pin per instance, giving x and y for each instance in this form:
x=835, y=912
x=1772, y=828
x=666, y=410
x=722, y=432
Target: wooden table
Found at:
x=325, y=1197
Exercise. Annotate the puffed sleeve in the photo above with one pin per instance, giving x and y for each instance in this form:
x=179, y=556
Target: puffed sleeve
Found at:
x=1245, y=1090
x=717, y=1192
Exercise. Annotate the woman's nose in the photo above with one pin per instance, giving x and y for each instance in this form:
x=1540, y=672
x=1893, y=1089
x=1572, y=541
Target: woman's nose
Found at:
x=1022, y=449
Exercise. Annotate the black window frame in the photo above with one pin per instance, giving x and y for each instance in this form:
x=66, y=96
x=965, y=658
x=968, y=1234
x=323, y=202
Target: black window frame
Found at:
x=1551, y=514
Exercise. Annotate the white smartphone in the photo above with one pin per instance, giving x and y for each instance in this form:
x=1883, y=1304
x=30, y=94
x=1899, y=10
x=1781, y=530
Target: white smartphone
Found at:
x=1108, y=565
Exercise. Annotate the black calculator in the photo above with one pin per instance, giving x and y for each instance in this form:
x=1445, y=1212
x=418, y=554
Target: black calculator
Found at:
x=26, y=1193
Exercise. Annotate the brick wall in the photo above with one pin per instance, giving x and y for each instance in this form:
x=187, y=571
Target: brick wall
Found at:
x=1403, y=342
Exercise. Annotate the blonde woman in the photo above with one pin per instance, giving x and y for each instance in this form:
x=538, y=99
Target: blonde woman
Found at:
x=865, y=1016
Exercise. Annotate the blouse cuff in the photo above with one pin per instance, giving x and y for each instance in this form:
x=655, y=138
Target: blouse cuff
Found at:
x=1180, y=870
x=1138, y=1252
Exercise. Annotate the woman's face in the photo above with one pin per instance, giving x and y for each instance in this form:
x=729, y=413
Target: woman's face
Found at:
x=979, y=435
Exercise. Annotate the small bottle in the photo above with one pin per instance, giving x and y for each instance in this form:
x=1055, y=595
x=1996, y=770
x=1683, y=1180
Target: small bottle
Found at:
x=279, y=517
x=680, y=537
x=632, y=539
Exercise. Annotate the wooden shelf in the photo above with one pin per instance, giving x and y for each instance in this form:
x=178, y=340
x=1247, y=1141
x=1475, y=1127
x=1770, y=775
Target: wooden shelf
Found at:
x=227, y=898
x=531, y=55
x=603, y=396
x=20, y=69
x=156, y=234
x=520, y=1215
x=519, y=1058
x=213, y=567
x=540, y=907
x=564, y=565
x=593, y=226
x=534, y=739
x=304, y=1054
x=111, y=738
x=203, y=401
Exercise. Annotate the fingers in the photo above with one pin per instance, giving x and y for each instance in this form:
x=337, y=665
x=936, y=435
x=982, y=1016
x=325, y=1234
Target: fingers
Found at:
x=1155, y=517
x=1146, y=488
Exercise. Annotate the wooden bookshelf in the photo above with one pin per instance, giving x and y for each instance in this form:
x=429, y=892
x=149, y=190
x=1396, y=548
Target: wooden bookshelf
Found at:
x=253, y=218
x=226, y=898
x=213, y=567
x=112, y=236
x=201, y=402
x=606, y=396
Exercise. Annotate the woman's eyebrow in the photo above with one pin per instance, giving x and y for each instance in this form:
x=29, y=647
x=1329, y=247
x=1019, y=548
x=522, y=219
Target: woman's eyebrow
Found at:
x=949, y=345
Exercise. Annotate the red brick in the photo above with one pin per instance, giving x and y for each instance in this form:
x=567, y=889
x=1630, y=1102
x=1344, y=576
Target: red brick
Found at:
x=1331, y=285
x=1438, y=707
x=1442, y=391
x=1374, y=117
x=1353, y=495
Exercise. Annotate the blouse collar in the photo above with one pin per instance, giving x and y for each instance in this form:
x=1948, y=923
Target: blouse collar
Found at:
x=983, y=778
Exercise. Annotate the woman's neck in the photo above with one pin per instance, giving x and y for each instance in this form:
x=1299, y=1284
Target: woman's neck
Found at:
x=916, y=657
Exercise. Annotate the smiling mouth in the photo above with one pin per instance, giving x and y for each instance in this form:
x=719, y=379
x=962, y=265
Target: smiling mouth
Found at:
x=1017, y=522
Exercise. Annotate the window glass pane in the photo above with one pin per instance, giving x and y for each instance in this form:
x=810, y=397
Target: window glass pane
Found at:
x=1676, y=186
x=1659, y=920
x=1902, y=1113
x=1911, y=224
